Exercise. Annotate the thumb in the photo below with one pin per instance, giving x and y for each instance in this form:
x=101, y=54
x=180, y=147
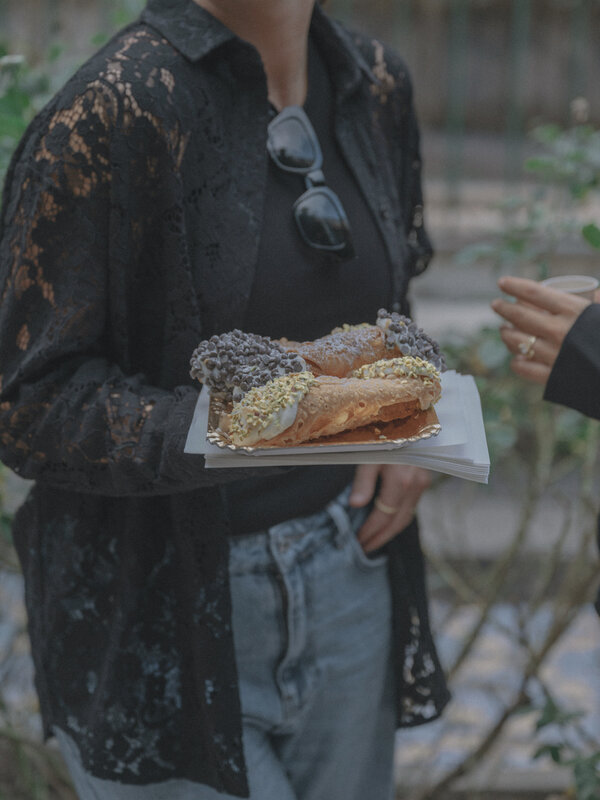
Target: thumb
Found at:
x=363, y=487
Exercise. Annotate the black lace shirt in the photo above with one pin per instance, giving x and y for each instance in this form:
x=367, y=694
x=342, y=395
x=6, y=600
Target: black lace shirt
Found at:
x=129, y=232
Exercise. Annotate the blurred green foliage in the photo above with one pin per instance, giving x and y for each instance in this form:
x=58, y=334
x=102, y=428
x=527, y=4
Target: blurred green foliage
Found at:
x=553, y=214
x=556, y=215
x=25, y=88
x=569, y=744
x=22, y=92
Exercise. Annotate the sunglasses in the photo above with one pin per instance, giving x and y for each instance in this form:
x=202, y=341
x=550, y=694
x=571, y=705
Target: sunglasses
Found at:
x=322, y=222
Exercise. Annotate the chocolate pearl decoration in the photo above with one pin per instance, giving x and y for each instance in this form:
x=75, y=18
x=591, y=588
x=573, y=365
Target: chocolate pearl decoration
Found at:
x=232, y=363
x=404, y=334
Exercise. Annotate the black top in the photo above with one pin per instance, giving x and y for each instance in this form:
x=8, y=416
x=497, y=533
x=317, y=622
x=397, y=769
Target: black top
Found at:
x=129, y=232
x=303, y=293
x=575, y=377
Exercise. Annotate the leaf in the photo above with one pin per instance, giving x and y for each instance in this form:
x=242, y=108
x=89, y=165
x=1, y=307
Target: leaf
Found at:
x=99, y=39
x=55, y=52
x=11, y=127
x=587, y=777
x=543, y=164
x=546, y=134
x=591, y=233
x=552, y=750
x=14, y=102
x=549, y=715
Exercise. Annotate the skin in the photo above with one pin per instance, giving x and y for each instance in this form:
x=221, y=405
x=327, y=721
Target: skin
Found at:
x=400, y=486
x=548, y=314
x=279, y=31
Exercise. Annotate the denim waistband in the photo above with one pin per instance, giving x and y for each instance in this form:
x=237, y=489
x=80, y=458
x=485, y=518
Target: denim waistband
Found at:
x=296, y=538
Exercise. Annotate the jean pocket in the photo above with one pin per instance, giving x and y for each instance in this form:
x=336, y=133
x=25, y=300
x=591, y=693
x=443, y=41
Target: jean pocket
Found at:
x=362, y=559
x=348, y=521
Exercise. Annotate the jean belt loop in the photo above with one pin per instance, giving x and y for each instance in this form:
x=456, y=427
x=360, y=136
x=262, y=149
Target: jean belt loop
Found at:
x=341, y=522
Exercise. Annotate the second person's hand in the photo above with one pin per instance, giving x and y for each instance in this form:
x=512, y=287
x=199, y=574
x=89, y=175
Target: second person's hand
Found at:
x=539, y=322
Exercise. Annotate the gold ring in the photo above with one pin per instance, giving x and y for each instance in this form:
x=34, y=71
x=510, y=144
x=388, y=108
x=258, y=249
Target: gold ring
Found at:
x=385, y=508
x=526, y=347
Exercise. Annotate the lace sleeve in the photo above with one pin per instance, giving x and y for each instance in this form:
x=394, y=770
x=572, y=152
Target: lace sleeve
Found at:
x=418, y=240
x=68, y=414
x=395, y=94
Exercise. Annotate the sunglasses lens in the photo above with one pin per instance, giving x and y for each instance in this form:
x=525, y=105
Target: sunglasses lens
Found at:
x=291, y=145
x=322, y=221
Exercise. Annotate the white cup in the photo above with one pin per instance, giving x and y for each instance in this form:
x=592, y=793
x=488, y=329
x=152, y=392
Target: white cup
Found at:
x=581, y=285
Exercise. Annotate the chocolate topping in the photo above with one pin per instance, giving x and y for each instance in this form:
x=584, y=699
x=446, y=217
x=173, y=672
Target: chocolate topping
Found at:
x=235, y=362
x=404, y=334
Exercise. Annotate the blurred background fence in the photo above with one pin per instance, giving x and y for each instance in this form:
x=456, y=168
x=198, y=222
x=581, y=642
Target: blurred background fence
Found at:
x=484, y=70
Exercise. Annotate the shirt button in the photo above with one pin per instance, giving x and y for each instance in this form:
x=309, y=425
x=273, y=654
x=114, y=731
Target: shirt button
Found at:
x=384, y=213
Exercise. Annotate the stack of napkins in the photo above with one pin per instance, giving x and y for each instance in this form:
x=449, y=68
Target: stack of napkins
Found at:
x=459, y=449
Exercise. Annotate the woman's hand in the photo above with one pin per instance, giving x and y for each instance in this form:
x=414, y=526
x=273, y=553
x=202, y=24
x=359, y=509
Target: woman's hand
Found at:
x=539, y=322
x=399, y=492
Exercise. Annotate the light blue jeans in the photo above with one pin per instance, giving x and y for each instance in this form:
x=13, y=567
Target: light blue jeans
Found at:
x=311, y=621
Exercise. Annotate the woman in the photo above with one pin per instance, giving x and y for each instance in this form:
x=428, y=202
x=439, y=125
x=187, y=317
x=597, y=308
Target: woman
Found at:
x=555, y=337
x=143, y=213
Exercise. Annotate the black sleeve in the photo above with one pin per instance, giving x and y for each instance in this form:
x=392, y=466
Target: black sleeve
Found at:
x=575, y=377
x=70, y=415
x=419, y=243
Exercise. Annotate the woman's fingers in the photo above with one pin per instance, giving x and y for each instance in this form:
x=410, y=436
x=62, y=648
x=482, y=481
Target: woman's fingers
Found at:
x=529, y=348
x=540, y=310
x=530, y=370
x=544, y=297
x=539, y=320
x=532, y=321
x=378, y=530
x=399, y=492
x=363, y=487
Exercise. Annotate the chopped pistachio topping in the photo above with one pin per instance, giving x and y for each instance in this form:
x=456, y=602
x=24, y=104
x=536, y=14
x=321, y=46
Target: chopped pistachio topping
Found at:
x=260, y=405
x=347, y=327
x=402, y=334
x=407, y=367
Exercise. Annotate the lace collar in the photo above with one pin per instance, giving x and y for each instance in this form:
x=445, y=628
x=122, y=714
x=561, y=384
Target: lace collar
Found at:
x=196, y=33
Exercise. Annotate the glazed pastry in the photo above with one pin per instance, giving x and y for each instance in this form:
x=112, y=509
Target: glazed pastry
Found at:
x=298, y=408
x=341, y=351
x=351, y=346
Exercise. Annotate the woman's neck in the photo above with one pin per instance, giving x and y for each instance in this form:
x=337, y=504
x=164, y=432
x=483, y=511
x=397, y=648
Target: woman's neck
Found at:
x=279, y=31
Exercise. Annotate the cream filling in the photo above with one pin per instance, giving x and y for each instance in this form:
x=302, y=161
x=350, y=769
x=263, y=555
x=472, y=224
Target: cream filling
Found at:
x=265, y=411
x=392, y=339
x=280, y=421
